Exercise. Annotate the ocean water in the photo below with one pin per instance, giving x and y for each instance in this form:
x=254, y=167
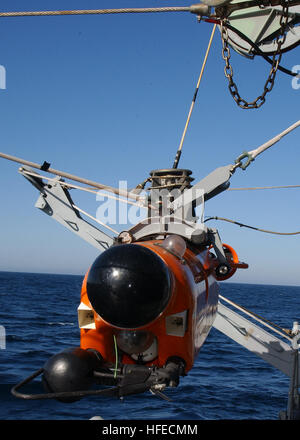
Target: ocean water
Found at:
x=39, y=314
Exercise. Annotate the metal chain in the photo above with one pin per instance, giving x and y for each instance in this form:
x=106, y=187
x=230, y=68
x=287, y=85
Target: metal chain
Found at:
x=260, y=100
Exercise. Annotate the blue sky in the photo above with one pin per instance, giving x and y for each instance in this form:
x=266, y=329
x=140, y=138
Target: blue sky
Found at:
x=106, y=97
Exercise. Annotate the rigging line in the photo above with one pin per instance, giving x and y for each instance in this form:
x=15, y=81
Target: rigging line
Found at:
x=116, y=355
x=90, y=190
x=250, y=227
x=263, y=187
x=271, y=142
x=259, y=318
x=178, y=154
x=96, y=11
x=251, y=155
x=118, y=191
x=96, y=220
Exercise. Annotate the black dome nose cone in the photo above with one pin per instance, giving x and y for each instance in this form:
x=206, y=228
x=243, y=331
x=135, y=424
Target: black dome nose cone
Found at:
x=129, y=286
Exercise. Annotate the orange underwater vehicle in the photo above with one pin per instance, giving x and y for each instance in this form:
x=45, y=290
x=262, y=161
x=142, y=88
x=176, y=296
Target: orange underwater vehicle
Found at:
x=156, y=298
x=149, y=300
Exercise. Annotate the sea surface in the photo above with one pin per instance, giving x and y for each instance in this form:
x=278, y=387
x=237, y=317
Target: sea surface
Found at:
x=39, y=314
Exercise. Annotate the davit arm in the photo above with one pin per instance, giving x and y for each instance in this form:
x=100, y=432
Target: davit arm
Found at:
x=55, y=201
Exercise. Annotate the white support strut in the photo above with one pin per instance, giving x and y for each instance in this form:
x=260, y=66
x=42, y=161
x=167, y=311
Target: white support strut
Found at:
x=271, y=349
x=55, y=201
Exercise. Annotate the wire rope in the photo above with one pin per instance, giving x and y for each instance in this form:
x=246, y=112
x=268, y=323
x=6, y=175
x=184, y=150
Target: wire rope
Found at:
x=250, y=227
x=264, y=187
x=96, y=11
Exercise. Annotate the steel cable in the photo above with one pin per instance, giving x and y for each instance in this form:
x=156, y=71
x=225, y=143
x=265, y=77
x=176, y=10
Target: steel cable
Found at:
x=95, y=11
x=250, y=227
